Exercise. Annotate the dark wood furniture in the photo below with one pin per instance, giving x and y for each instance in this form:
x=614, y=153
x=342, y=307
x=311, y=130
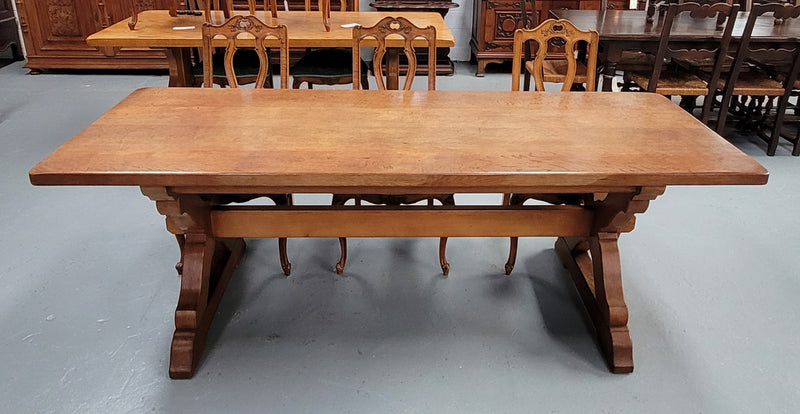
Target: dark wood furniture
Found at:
x=670, y=75
x=9, y=35
x=624, y=156
x=763, y=74
x=155, y=30
x=494, y=23
x=444, y=66
x=622, y=30
x=55, y=33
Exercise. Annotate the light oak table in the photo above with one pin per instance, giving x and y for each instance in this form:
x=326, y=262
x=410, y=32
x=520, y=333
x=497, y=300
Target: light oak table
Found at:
x=155, y=29
x=188, y=148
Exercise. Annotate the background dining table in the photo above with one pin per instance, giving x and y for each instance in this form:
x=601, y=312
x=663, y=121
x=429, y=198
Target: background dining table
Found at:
x=178, y=35
x=622, y=30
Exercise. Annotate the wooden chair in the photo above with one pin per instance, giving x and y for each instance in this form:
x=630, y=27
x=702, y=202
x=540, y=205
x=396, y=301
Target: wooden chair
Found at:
x=246, y=62
x=668, y=78
x=327, y=66
x=389, y=26
x=763, y=72
x=394, y=26
x=564, y=67
x=232, y=29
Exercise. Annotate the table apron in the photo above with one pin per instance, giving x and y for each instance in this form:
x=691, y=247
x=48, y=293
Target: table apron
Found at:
x=347, y=221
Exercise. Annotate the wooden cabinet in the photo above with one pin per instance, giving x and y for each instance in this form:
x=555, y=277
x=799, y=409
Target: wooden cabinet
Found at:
x=55, y=34
x=494, y=23
x=8, y=30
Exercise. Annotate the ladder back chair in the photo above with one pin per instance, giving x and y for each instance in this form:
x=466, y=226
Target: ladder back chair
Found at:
x=669, y=78
x=232, y=29
x=387, y=27
x=564, y=67
x=328, y=66
x=762, y=71
x=394, y=27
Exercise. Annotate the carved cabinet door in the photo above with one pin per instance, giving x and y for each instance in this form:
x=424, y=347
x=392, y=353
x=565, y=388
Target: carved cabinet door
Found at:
x=55, y=33
x=51, y=26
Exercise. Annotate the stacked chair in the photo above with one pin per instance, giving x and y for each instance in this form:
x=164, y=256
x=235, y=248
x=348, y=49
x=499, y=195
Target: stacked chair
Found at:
x=389, y=27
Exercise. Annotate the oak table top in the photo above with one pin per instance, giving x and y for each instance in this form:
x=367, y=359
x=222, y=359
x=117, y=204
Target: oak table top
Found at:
x=597, y=158
x=155, y=29
x=478, y=140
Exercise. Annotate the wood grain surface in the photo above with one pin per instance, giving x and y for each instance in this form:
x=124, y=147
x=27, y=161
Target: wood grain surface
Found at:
x=155, y=29
x=334, y=140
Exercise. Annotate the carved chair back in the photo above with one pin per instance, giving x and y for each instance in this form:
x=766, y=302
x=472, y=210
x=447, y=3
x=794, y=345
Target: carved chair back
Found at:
x=562, y=36
x=394, y=27
x=232, y=30
x=669, y=49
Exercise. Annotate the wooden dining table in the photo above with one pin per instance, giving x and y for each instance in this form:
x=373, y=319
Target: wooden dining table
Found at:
x=179, y=34
x=189, y=149
x=622, y=30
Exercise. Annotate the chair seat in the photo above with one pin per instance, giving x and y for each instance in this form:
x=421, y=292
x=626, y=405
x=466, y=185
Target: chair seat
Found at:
x=334, y=63
x=555, y=70
x=705, y=63
x=754, y=83
x=635, y=60
x=672, y=83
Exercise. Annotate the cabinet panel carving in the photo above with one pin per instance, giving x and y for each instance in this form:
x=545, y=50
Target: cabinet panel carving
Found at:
x=63, y=18
x=55, y=33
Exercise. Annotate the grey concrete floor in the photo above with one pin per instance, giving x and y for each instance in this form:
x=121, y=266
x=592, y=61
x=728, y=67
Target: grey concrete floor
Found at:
x=88, y=293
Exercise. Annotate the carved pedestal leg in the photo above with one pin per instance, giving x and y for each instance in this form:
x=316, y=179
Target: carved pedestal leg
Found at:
x=595, y=269
x=594, y=265
x=207, y=267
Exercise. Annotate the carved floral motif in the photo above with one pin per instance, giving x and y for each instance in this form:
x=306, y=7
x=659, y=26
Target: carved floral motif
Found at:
x=63, y=18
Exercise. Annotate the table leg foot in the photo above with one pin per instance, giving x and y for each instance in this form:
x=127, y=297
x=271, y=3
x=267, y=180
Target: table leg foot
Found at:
x=343, y=257
x=208, y=264
x=286, y=265
x=442, y=259
x=594, y=266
